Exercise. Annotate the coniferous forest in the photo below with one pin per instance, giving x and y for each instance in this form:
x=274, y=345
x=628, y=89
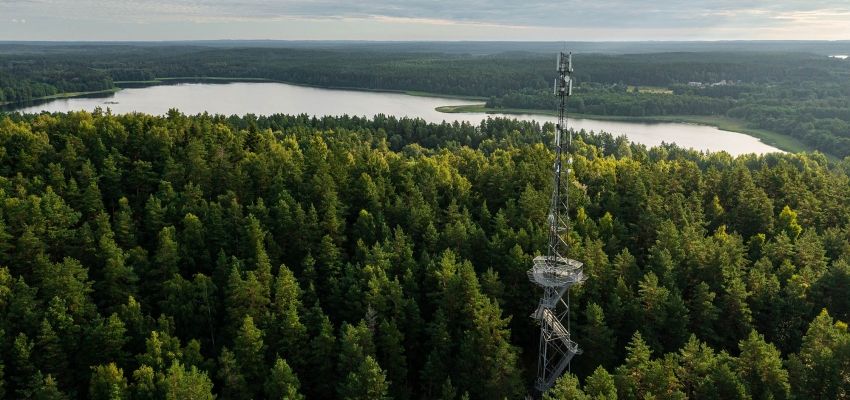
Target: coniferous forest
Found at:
x=293, y=257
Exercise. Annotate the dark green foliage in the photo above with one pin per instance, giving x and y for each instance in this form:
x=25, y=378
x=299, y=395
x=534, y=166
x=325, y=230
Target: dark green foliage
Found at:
x=567, y=387
x=199, y=278
x=48, y=390
x=108, y=383
x=760, y=368
x=249, y=350
x=180, y=383
x=820, y=369
x=600, y=385
x=281, y=383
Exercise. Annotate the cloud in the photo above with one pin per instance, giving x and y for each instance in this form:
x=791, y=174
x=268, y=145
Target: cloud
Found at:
x=528, y=14
x=549, y=13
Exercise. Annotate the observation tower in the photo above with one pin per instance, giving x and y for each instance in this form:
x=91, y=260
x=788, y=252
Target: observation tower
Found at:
x=554, y=272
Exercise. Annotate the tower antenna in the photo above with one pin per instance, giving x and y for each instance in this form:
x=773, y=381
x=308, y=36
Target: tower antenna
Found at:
x=554, y=272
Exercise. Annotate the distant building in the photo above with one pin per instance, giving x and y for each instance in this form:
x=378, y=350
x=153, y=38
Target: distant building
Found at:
x=695, y=84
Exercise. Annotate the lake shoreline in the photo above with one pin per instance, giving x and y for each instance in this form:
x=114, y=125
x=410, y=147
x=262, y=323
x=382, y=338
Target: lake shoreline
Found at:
x=778, y=140
x=121, y=85
x=58, y=96
x=266, y=97
x=202, y=79
x=782, y=142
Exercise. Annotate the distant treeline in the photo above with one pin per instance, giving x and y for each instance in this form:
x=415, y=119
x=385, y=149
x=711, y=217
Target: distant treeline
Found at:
x=808, y=101
x=613, y=101
x=24, y=80
x=798, y=94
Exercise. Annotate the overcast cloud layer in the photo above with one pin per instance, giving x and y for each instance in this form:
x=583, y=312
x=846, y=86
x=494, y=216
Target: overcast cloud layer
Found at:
x=423, y=20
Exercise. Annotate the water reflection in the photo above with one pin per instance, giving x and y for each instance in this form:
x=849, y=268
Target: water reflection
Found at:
x=270, y=98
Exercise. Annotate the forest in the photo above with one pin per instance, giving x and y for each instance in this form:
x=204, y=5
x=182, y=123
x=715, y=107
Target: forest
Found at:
x=802, y=94
x=295, y=257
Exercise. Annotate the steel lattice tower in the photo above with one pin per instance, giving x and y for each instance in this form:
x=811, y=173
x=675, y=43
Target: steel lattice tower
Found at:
x=554, y=272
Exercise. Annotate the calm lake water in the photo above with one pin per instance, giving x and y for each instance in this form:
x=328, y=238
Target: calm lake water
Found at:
x=270, y=98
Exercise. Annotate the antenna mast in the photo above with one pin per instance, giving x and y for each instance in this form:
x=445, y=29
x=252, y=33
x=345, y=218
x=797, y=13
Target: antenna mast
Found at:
x=554, y=272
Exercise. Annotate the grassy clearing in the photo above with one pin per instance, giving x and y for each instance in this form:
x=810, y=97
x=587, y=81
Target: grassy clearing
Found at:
x=778, y=140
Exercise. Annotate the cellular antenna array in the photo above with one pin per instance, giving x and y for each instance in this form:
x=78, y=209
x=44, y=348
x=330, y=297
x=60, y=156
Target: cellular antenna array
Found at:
x=554, y=272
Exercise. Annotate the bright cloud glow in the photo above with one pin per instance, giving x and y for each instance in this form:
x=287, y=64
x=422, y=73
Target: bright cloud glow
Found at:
x=424, y=20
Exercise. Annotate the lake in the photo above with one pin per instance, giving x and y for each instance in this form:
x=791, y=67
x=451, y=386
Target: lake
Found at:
x=266, y=98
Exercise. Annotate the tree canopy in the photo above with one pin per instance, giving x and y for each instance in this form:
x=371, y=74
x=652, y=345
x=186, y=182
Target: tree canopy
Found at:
x=176, y=256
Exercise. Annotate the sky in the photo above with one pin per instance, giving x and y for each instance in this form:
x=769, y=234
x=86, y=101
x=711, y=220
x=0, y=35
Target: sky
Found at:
x=550, y=20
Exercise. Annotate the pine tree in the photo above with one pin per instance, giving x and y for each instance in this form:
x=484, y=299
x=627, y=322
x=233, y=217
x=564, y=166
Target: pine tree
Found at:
x=118, y=279
x=597, y=339
x=249, y=350
x=281, y=382
x=754, y=210
x=154, y=216
x=355, y=344
x=391, y=354
x=161, y=350
x=91, y=201
x=437, y=368
x=600, y=385
x=487, y=357
x=193, y=246
x=736, y=311
x=108, y=383
x=704, y=374
x=641, y=376
x=48, y=390
x=144, y=384
x=819, y=369
x=788, y=223
x=2, y=378
x=760, y=367
x=245, y=296
x=566, y=387
x=124, y=227
x=703, y=310
x=67, y=280
x=320, y=354
x=50, y=355
x=24, y=377
x=167, y=258
x=447, y=391
x=232, y=381
x=287, y=333
x=109, y=337
x=366, y=382
x=5, y=241
x=180, y=384
x=258, y=256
